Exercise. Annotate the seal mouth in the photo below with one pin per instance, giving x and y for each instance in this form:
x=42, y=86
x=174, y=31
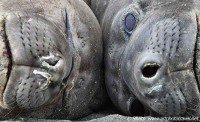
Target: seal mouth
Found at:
x=5, y=59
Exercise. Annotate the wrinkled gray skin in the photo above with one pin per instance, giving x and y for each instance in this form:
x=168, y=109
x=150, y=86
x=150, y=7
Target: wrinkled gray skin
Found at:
x=158, y=61
x=51, y=59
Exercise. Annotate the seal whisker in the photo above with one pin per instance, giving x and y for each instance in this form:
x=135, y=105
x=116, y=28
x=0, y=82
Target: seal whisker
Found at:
x=10, y=111
x=63, y=32
x=192, y=104
x=29, y=116
x=18, y=114
x=13, y=13
x=12, y=102
x=189, y=103
x=195, y=106
x=190, y=114
x=191, y=109
x=23, y=12
x=42, y=7
x=157, y=5
x=32, y=5
x=63, y=15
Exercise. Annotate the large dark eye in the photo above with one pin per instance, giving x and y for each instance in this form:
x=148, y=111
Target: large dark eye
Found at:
x=130, y=23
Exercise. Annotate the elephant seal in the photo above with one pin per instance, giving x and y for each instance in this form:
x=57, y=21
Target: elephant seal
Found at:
x=51, y=59
x=152, y=54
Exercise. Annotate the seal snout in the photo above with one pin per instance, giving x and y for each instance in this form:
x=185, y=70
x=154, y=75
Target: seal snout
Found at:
x=159, y=59
x=156, y=91
x=40, y=62
x=157, y=88
x=163, y=76
x=173, y=103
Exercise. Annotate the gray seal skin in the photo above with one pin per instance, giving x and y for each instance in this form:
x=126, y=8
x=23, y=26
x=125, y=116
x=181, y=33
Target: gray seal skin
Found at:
x=152, y=54
x=51, y=59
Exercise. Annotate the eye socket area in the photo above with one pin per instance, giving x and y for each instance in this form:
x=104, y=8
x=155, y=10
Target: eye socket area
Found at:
x=130, y=22
x=149, y=70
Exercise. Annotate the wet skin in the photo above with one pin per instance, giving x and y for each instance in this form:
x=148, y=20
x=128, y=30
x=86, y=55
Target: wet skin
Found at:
x=152, y=54
x=51, y=59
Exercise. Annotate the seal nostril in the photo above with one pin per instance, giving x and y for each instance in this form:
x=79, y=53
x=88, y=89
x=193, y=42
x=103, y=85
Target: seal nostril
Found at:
x=150, y=70
x=137, y=108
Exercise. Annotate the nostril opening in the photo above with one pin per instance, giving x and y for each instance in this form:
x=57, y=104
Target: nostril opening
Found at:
x=137, y=108
x=150, y=70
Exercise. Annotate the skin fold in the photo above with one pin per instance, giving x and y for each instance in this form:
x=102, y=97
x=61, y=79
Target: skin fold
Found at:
x=51, y=59
x=151, y=55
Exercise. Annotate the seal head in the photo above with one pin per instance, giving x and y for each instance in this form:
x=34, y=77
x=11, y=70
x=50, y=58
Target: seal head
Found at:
x=37, y=61
x=152, y=52
x=159, y=64
x=51, y=59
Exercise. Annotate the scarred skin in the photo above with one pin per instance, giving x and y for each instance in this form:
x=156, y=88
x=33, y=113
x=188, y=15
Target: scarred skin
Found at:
x=51, y=59
x=157, y=62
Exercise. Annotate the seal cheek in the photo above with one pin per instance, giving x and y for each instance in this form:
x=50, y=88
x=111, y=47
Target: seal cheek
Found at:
x=186, y=82
x=159, y=89
x=171, y=104
x=29, y=93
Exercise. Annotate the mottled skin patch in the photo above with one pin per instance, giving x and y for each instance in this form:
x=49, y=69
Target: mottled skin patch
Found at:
x=158, y=61
x=51, y=59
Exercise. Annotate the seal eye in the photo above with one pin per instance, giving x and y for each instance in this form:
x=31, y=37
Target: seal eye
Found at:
x=130, y=22
x=150, y=70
